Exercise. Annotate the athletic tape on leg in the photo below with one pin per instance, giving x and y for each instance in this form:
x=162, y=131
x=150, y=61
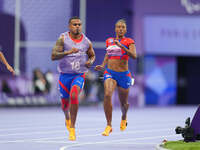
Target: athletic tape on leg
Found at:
x=74, y=95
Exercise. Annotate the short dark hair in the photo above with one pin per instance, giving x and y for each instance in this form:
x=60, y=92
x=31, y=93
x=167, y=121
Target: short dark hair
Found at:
x=74, y=17
x=121, y=20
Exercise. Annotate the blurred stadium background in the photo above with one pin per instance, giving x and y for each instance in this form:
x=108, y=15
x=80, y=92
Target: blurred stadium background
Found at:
x=167, y=36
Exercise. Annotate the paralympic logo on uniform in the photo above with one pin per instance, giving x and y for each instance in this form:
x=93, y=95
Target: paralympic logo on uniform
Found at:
x=190, y=6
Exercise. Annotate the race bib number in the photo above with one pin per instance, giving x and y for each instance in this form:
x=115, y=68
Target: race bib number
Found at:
x=75, y=65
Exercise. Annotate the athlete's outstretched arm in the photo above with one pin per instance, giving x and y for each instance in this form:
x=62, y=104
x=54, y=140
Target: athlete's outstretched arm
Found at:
x=131, y=51
x=91, y=56
x=3, y=59
x=58, y=50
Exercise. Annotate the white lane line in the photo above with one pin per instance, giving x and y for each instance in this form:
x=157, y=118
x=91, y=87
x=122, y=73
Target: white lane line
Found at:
x=8, y=125
x=36, y=132
x=74, y=142
x=58, y=131
x=31, y=125
x=92, y=135
x=115, y=141
x=57, y=142
x=99, y=134
x=28, y=128
x=134, y=143
x=47, y=132
x=118, y=133
x=27, y=125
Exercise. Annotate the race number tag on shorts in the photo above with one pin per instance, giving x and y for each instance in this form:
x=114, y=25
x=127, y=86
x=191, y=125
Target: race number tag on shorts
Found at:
x=132, y=81
x=75, y=65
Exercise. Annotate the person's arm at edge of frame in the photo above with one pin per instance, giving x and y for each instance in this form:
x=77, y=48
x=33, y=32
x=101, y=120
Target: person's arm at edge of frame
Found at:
x=3, y=59
x=91, y=56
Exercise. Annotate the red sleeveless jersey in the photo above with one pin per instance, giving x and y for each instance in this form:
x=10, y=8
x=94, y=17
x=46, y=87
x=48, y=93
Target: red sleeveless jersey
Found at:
x=114, y=51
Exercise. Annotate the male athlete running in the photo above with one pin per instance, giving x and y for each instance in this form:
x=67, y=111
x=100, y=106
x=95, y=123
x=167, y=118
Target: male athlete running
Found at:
x=75, y=54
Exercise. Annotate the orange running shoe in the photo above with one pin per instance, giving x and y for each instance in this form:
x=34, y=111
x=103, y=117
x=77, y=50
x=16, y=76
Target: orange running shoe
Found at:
x=68, y=123
x=72, y=135
x=107, y=131
x=123, y=125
